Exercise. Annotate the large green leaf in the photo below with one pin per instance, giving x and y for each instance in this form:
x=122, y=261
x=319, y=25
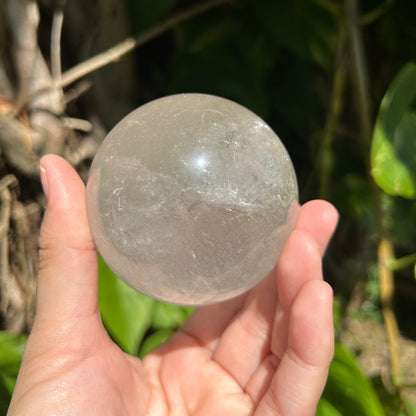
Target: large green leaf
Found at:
x=154, y=340
x=348, y=390
x=166, y=316
x=326, y=409
x=393, y=152
x=11, y=350
x=5, y=397
x=393, y=401
x=126, y=313
x=410, y=408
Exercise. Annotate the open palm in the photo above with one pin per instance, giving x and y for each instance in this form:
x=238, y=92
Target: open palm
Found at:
x=264, y=353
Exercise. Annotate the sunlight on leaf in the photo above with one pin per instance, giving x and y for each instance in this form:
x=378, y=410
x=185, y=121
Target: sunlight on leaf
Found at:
x=326, y=409
x=154, y=340
x=126, y=313
x=348, y=390
x=11, y=351
x=393, y=151
x=166, y=316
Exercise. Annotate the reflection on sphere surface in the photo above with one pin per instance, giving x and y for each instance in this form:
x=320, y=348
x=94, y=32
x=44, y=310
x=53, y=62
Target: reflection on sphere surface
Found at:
x=191, y=199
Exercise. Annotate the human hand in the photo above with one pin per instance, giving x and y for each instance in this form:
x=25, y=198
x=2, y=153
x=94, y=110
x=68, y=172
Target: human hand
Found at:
x=264, y=353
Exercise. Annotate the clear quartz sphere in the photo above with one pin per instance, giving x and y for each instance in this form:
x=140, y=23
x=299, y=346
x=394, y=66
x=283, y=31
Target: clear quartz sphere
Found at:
x=191, y=199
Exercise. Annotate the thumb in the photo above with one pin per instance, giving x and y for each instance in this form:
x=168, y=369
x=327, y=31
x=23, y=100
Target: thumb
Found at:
x=67, y=282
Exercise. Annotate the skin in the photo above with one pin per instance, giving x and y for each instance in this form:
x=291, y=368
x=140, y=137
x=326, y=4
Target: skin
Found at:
x=264, y=353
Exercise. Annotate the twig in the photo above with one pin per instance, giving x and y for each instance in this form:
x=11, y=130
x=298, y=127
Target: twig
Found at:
x=6, y=201
x=24, y=264
x=17, y=286
x=116, y=52
x=402, y=262
x=86, y=149
x=330, y=6
x=360, y=70
x=77, y=90
x=5, y=214
x=335, y=108
x=385, y=252
x=15, y=139
x=77, y=124
x=376, y=13
x=56, y=31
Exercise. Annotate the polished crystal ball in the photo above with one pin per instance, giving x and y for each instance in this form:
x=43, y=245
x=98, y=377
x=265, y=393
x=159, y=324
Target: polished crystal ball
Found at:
x=191, y=199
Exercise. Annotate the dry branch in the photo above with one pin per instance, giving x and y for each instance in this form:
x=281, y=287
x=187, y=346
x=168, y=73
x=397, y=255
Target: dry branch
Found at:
x=16, y=144
x=56, y=31
x=115, y=53
x=12, y=302
x=21, y=145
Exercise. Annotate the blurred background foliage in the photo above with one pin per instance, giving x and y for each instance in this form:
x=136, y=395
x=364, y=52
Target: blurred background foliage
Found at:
x=336, y=80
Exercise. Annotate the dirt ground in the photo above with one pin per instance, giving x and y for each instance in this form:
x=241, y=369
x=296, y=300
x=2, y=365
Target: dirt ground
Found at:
x=366, y=337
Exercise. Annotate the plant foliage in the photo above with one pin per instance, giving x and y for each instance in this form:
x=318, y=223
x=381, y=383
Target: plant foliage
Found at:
x=393, y=152
x=294, y=64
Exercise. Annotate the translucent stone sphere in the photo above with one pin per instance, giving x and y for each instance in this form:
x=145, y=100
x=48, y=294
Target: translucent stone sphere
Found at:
x=191, y=199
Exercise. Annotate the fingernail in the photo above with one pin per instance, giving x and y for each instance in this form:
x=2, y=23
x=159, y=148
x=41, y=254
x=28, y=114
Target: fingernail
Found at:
x=44, y=181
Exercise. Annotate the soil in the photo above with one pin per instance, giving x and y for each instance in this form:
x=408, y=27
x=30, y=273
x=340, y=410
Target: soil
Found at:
x=366, y=338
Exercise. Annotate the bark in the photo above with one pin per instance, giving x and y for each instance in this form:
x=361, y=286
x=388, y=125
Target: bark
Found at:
x=34, y=120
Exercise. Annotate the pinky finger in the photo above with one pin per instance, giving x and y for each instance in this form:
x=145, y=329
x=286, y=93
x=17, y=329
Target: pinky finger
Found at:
x=300, y=378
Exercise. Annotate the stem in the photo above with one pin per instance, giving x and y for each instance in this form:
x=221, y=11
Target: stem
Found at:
x=335, y=109
x=385, y=252
x=360, y=69
x=385, y=246
x=116, y=52
x=376, y=13
x=330, y=6
x=401, y=263
x=5, y=214
x=56, y=32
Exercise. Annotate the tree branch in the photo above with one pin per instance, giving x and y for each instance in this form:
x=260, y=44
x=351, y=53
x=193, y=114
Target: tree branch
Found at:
x=56, y=31
x=15, y=142
x=23, y=19
x=115, y=53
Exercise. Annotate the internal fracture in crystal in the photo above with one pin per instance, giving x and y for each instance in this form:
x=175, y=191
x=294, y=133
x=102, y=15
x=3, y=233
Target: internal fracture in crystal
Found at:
x=191, y=199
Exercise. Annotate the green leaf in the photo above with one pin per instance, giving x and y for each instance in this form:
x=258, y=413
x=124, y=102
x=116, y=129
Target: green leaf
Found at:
x=11, y=350
x=166, y=316
x=154, y=340
x=126, y=313
x=393, y=151
x=5, y=397
x=337, y=312
x=393, y=401
x=348, y=390
x=326, y=409
x=410, y=408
